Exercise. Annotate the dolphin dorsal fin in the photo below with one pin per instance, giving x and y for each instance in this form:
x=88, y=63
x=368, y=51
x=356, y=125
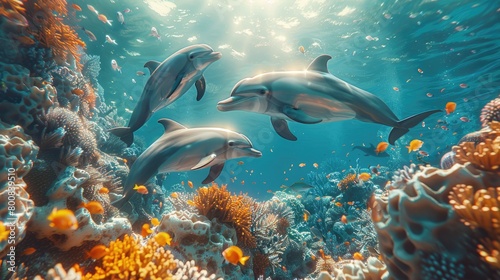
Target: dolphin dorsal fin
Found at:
x=171, y=125
x=319, y=64
x=152, y=65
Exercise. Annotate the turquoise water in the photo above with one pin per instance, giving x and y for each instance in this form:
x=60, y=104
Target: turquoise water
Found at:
x=375, y=45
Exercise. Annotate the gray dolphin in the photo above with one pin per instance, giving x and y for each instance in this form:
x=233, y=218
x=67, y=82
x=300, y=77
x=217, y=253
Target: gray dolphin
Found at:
x=168, y=81
x=313, y=96
x=184, y=149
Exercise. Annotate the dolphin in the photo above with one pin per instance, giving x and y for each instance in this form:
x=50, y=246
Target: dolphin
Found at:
x=168, y=81
x=183, y=149
x=313, y=96
x=370, y=151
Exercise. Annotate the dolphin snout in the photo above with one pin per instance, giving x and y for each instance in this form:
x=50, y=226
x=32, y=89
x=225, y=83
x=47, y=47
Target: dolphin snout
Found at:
x=226, y=104
x=255, y=153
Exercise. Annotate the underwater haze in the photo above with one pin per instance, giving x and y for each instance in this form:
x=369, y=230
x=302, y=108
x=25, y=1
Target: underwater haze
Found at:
x=272, y=139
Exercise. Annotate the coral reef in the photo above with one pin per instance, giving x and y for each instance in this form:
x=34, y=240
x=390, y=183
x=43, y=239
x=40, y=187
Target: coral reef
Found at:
x=372, y=269
x=25, y=99
x=67, y=193
x=17, y=155
x=214, y=202
x=490, y=112
x=59, y=273
x=129, y=259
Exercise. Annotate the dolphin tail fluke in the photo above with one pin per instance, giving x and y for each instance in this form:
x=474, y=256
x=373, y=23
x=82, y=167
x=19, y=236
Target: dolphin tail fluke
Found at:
x=405, y=125
x=125, y=133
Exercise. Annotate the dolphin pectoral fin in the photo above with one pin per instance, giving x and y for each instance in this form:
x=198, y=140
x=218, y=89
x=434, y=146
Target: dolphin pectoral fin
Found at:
x=170, y=125
x=300, y=116
x=204, y=162
x=405, y=125
x=125, y=133
x=319, y=64
x=152, y=65
x=214, y=173
x=200, y=88
x=281, y=127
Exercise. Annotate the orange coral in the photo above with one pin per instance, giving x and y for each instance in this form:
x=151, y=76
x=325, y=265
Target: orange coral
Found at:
x=349, y=181
x=49, y=29
x=480, y=209
x=215, y=202
x=15, y=6
x=128, y=259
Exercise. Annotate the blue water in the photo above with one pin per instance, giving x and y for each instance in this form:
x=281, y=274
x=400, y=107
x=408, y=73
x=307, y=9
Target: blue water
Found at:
x=375, y=45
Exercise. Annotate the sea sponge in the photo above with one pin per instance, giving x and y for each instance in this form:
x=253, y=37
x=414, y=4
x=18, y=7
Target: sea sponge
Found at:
x=415, y=220
x=236, y=210
x=372, y=269
x=25, y=98
x=129, y=259
x=17, y=154
x=67, y=193
x=490, y=112
x=77, y=134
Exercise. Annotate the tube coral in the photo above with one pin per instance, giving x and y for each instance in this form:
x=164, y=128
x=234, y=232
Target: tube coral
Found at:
x=214, y=202
x=128, y=259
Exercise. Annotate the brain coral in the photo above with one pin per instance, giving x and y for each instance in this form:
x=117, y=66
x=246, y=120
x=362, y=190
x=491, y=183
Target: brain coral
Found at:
x=24, y=99
x=415, y=221
x=17, y=153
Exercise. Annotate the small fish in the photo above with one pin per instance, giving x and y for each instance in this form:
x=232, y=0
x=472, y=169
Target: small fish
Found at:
x=28, y=251
x=141, y=189
x=76, y=7
x=338, y=204
x=364, y=176
x=315, y=165
x=4, y=232
x=155, y=222
x=139, y=73
x=103, y=190
x=63, y=219
x=190, y=202
x=92, y=9
x=110, y=41
x=300, y=187
x=464, y=119
x=270, y=191
x=343, y=219
x=121, y=18
x=395, y=88
x=358, y=256
x=104, y=19
x=97, y=252
x=322, y=253
x=115, y=66
x=91, y=35
x=423, y=124
x=234, y=254
x=146, y=230
x=429, y=94
x=423, y=153
x=381, y=147
x=442, y=90
x=302, y=49
x=374, y=169
x=350, y=203
x=242, y=182
x=163, y=238
x=302, y=164
x=190, y=184
x=415, y=145
x=464, y=85
x=94, y=207
x=420, y=71
x=240, y=162
x=450, y=107
x=174, y=195
x=127, y=10
x=77, y=92
x=134, y=81
x=154, y=33
x=306, y=215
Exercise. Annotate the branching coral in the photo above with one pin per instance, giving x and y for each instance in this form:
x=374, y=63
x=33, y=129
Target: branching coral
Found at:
x=215, y=202
x=349, y=181
x=128, y=259
x=480, y=209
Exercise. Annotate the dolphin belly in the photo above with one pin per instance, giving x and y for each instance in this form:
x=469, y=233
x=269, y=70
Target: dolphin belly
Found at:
x=327, y=109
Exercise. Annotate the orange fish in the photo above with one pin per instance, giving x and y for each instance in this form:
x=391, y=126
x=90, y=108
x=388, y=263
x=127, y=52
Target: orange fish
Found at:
x=302, y=49
x=234, y=255
x=76, y=7
x=395, y=88
x=103, y=190
x=94, y=207
x=174, y=195
x=190, y=184
x=381, y=147
x=343, y=219
x=63, y=219
x=28, y=251
x=163, y=238
x=240, y=162
x=302, y=164
x=146, y=230
x=190, y=202
x=97, y=252
x=313, y=257
x=155, y=222
x=358, y=256
x=77, y=92
x=350, y=203
x=420, y=71
x=450, y=107
x=322, y=253
x=338, y=204
x=104, y=19
x=92, y=9
x=315, y=165
x=141, y=189
x=364, y=176
x=306, y=215
x=415, y=145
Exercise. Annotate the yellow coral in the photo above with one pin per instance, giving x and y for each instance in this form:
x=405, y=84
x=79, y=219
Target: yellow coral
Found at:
x=128, y=259
x=480, y=209
x=215, y=202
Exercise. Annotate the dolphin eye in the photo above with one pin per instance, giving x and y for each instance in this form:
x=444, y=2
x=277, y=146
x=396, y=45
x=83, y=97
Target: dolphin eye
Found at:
x=191, y=56
x=262, y=91
x=231, y=143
